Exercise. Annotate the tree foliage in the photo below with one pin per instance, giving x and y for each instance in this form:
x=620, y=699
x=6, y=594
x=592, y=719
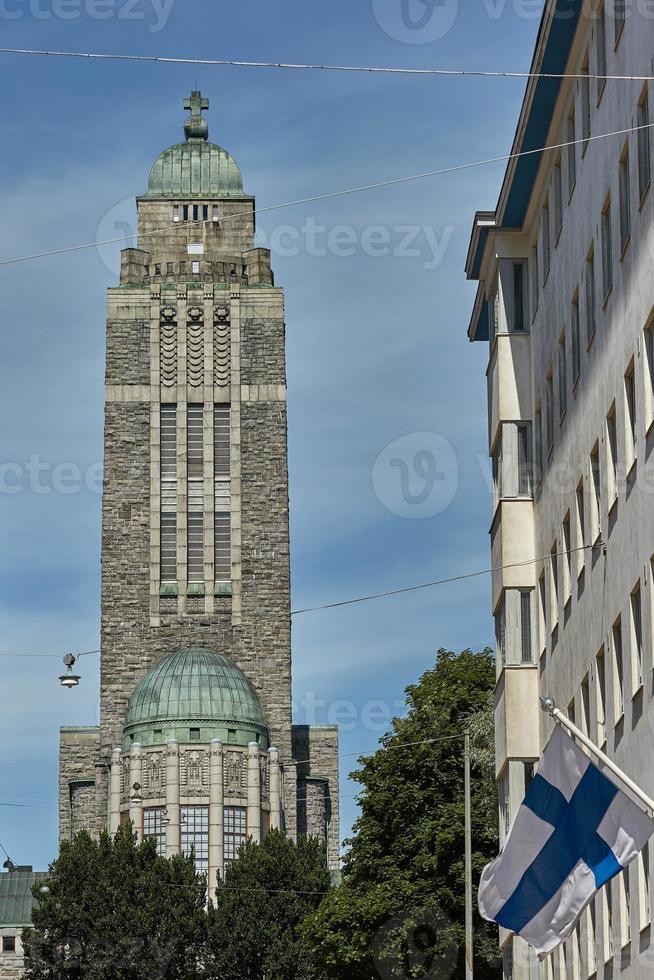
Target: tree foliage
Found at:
x=117, y=911
x=400, y=911
x=254, y=922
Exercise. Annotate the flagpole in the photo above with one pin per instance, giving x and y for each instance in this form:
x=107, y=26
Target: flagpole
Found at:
x=468, y=859
x=549, y=706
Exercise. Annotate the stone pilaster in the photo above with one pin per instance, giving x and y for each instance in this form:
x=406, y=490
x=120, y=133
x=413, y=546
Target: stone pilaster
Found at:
x=216, y=801
x=172, y=798
x=254, y=793
x=275, y=790
x=114, y=790
x=136, y=778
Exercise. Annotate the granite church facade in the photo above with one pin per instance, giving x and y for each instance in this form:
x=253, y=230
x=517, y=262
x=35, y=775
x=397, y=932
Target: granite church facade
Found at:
x=196, y=743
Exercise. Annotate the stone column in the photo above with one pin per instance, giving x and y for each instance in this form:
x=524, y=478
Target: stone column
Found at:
x=136, y=776
x=115, y=785
x=216, y=800
x=275, y=790
x=172, y=797
x=254, y=793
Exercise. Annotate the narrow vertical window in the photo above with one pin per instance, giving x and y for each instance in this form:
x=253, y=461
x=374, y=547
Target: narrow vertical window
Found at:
x=600, y=696
x=524, y=460
x=591, y=939
x=500, y=633
x=607, y=250
x=519, y=312
x=572, y=154
x=576, y=340
x=185, y=212
x=563, y=377
x=644, y=887
x=612, y=455
x=585, y=104
x=535, y=286
x=596, y=490
x=168, y=478
x=625, y=199
x=567, y=560
x=546, y=240
x=195, y=268
x=542, y=613
x=215, y=212
x=590, y=296
x=649, y=370
x=222, y=491
x=175, y=212
x=538, y=433
x=525, y=627
x=234, y=832
x=196, y=212
x=549, y=406
x=554, y=586
x=195, y=490
x=618, y=671
x=558, y=200
x=205, y=212
x=584, y=699
x=636, y=640
x=625, y=907
x=195, y=835
x=630, y=414
x=601, y=53
x=580, y=542
x=644, y=159
x=497, y=470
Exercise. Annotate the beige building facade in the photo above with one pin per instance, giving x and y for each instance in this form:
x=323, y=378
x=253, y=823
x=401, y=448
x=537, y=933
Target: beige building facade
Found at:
x=565, y=301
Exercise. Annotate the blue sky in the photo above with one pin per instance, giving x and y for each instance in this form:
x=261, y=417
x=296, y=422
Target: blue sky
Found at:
x=377, y=347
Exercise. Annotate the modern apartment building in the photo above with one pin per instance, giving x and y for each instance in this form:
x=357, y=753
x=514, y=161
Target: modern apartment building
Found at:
x=565, y=267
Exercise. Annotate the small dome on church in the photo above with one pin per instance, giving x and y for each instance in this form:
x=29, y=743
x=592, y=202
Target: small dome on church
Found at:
x=195, y=694
x=196, y=168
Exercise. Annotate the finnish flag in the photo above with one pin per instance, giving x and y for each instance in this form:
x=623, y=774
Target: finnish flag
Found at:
x=574, y=832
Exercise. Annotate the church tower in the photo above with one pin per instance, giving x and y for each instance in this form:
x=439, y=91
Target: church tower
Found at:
x=196, y=743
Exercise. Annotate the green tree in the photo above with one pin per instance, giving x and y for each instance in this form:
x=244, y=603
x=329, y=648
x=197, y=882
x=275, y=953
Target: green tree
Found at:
x=114, y=910
x=254, y=923
x=400, y=911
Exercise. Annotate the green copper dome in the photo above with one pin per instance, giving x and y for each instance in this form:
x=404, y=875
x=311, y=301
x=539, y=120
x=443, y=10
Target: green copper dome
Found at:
x=196, y=168
x=192, y=695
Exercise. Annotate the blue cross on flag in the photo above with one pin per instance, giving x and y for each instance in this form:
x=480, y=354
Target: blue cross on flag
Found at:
x=574, y=832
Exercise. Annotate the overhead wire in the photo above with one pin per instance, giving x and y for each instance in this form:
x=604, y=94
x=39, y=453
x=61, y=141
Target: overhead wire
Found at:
x=295, y=66
x=457, y=168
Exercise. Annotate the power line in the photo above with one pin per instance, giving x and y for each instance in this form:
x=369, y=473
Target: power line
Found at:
x=366, y=69
x=86, y=653
x=441, y=581
x=334, y=194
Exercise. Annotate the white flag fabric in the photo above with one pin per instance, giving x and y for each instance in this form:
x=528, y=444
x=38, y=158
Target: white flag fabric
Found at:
x=574, y=832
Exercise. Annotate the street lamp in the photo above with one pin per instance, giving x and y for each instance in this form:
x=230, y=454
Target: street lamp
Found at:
x=69, y=679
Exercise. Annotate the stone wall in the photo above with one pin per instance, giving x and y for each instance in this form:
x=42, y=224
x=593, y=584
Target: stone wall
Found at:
x=315, y=749
x=78, y=753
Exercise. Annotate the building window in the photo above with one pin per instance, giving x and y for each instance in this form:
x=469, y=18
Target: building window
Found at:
x=196, y=212
x=215, y=212
x=549, y=409
x=195, y=835
x=596, y=493
x=507, y=961
x=195, y=268
x=567, y=560
x=168, y=471
x=644, y=899
x=608, y=921
x=576, y=340
x=558, y=200
x=175, y=212
x=600, y=696
x=618, y=671
x=630, y=413
x=205, y=212
x=535, y=286
x=234, y=831
x=194, y=734
x=195, y=492
x=580, y=542
x=8, y=944
x=524, y=460
x=185, y=212
x=590, y=296
x=649, y=369
x=625, y=199
x=500, y=633
x=538, y=435
x=494, y=314
x=636, y=640
x=601, y=52
x=554, y=587
x=222, y=494
x=584, y=699
x=572, y=154
x=154, y=826
x=591, y=939
x=625, y=907
x=525, y=627
x=496, y=459
x=563, y=377
x=519, y=315
x=542, y=614
x=545, y=220
x=612, y=455
x=585, y=104
x=607, y=250
x=619, y=10
x=644, y=160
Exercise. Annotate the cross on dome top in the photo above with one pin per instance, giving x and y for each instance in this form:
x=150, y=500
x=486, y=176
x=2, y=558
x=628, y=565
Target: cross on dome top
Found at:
x=195, y=125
